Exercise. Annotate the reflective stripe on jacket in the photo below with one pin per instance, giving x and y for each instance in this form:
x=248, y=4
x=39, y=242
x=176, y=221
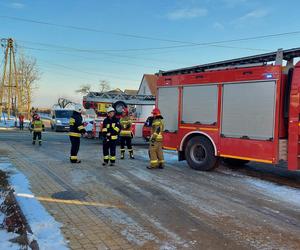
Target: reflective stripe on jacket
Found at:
x=76, y=126
x=111, y=128
x=37, y=126
x=126, y=124
x=157, y=129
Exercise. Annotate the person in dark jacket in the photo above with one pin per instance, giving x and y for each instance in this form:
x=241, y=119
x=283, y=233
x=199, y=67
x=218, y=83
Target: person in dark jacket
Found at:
x=75, y=132
x=110, y=131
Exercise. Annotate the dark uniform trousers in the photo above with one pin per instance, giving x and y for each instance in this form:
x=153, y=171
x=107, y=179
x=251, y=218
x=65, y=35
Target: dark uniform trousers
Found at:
x=75, y=144
x=37, y=135
x=109, y=150
x=126, y=141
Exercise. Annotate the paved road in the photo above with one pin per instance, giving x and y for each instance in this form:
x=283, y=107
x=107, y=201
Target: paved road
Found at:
x=131, y=207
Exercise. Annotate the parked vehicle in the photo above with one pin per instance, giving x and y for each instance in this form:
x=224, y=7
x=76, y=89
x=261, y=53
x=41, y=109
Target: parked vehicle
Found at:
x=238, y=110
x=60, y=119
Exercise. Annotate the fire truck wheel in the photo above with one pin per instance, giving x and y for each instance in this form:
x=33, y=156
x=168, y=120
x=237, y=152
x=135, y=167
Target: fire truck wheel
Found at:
x=234, y=162
x=199, y=153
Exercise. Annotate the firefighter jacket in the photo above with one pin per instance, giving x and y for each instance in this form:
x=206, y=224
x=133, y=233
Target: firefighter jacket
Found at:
x=37, y=126
x=157, y=129
x=111, y=128
x=126, y=124
x=76, y=125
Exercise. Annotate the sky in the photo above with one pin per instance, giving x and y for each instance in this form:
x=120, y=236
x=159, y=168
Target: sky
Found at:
x=78, y=42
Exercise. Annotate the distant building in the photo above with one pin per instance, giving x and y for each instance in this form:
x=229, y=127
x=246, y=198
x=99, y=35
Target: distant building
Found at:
x=148, y=86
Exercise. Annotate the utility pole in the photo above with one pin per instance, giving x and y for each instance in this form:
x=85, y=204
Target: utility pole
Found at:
x=9, y=89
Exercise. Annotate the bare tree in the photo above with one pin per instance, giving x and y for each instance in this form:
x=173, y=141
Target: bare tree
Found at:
x=28, y=74
x=84, y=89
x=104, y=86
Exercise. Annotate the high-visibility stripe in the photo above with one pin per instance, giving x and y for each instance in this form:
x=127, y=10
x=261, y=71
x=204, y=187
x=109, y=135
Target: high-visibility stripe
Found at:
x=80, y=127
x=125, y=133
x=154, y=161
x=197, y=128
x=246, y=158
x=106, y=157
x=116, y=129
x=73, y=157
x=169, y=148
x=114, y=137
x=162, y=161
x=130, y=150
x=74, y=134
x=112, y=158
x=104, y=130
x=122, y=150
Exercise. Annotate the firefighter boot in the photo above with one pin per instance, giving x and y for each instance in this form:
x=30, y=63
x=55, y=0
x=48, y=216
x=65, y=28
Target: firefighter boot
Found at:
x=131, y=154
x=33, y=142
x=40, y=143
x=122, y=154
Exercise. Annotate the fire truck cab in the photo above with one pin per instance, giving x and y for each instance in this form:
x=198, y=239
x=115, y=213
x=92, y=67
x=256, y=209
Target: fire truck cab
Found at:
x=239, y=110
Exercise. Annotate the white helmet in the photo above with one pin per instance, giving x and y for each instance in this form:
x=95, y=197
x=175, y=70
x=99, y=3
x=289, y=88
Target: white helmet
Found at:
x=78, y=108
x=110, y=109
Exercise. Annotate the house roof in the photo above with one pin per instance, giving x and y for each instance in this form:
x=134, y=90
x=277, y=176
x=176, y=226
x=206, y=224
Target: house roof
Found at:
x=152, y=83
x=131, y=91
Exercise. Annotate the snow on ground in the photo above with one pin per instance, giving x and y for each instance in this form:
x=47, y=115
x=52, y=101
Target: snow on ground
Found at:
x=272, y=190
x=5, y=244
x=45, y=229
x=284, y=194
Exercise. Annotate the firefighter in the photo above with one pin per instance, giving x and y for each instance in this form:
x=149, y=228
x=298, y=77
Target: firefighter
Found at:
x=37, y=126
x=155, y=148
x=126, y=134
x=110, y=130
x=76, y=130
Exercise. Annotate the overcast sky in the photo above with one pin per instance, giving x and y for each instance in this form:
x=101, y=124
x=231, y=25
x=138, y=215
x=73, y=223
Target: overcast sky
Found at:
x=80, y=42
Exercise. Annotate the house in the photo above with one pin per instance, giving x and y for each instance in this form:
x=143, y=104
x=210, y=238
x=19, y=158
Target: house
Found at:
x=148, y=86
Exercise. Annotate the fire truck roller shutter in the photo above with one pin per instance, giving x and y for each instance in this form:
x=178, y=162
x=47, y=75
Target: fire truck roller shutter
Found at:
x=200, y=104
x=248, y=110
x=168, y=105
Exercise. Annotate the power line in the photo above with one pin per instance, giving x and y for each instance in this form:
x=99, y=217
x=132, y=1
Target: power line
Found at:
x=183, y=43
x=87, y=72
x=90, y=29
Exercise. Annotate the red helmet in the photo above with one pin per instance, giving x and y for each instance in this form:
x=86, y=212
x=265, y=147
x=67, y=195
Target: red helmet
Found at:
x=155, y=111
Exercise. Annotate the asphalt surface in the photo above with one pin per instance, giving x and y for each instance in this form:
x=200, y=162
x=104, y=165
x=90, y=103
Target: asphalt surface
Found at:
x=254, y=207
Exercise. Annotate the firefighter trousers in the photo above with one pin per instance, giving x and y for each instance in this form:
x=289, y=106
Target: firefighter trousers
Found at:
x=37, y=135
x=75, y=144
x=156, y=154
x=109, y=150
x=126, y=141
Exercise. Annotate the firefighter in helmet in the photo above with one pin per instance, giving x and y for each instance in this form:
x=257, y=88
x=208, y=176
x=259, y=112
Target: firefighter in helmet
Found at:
x=155, y=149
x=126, y=134
x=76, y=130
x=110, y=131
x=37, y=127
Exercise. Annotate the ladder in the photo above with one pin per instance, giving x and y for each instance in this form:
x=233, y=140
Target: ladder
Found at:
x=256, y=60
x=114, y=97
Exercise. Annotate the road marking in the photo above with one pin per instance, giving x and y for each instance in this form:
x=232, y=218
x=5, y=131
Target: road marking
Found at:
x=246, y=158
x=71, y=202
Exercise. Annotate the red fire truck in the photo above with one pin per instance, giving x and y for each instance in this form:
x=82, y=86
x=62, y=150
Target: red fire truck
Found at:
x=238, y=110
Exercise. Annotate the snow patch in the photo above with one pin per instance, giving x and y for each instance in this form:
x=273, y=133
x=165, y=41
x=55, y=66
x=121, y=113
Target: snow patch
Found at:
x=283, y=193
x=132, y=231
x=45, y=229
x=5, y=243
